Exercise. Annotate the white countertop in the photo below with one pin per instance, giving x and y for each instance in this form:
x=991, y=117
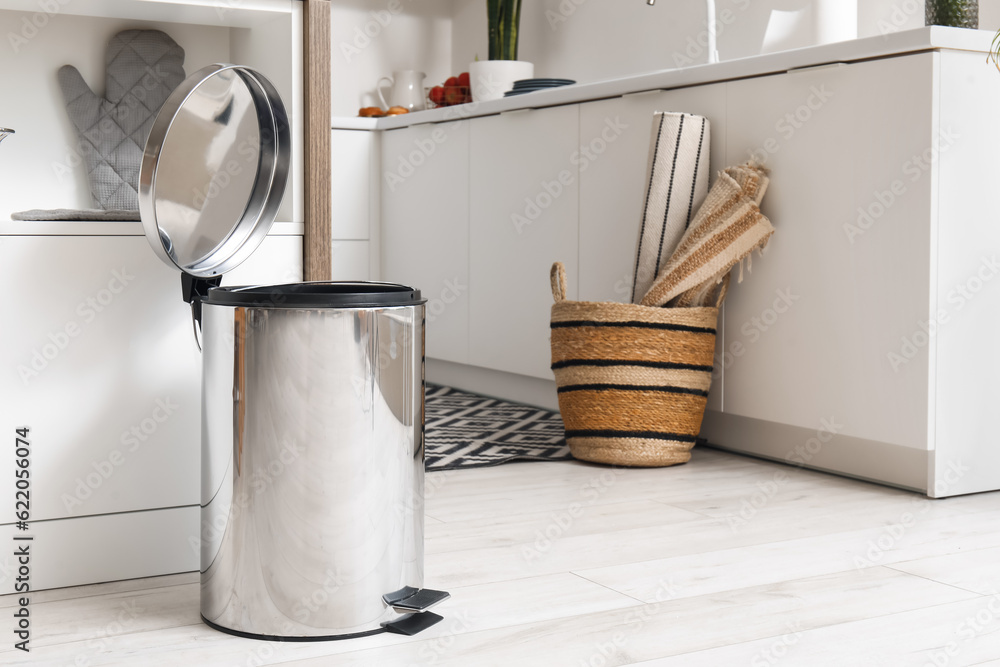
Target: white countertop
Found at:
x=74, y=228
x=357, y=122
x=883, y=46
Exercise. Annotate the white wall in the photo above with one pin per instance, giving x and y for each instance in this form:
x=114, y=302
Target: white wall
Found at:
x=372, y=39
x=877, y=17
x=989, y=14
x=589, y=40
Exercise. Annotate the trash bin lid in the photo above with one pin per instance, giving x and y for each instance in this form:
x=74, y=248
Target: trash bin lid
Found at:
x=317, y=295
x=214, y=170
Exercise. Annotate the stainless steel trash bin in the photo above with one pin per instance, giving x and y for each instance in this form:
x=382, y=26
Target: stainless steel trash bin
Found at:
x=312, y=393
x=312, y=465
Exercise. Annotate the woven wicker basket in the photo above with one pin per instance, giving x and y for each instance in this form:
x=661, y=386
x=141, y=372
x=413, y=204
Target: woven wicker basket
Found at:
x=633, y=380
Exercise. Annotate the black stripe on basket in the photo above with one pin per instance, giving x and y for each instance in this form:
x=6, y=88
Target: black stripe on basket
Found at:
x=632, y=387
x=666, y=365
x=646, y=435
x=569, y=324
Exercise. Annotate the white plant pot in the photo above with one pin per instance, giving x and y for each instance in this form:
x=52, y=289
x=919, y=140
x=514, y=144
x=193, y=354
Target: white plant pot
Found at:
x=490, y=79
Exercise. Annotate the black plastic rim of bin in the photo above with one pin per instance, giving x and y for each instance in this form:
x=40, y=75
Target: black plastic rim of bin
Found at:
x=291, y=638
x=317, y=295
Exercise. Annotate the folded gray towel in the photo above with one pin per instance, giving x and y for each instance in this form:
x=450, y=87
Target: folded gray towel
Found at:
x=85, y=215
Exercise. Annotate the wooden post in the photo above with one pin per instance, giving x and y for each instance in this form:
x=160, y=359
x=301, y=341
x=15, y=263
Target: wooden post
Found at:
x=317, y=115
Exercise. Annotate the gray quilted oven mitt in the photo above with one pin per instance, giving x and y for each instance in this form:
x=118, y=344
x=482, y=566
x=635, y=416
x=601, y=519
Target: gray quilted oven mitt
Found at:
x=142, y=68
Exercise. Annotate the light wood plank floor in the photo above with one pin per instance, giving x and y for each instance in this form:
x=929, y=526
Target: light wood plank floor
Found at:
x=724, y=561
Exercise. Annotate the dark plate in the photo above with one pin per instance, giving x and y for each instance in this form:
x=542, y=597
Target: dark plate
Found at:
x=522, y=84
x=534, y=87
x=554, y=82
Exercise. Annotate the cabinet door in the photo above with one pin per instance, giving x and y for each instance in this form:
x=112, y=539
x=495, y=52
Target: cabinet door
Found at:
x=350, y=261
x=351, y=183
x=815, y=331
x=103, y=366
x=425, y=227
x=613, y=178
x=524, y=206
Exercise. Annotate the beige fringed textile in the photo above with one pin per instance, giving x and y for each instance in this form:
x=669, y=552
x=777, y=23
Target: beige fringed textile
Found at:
x=727, y=228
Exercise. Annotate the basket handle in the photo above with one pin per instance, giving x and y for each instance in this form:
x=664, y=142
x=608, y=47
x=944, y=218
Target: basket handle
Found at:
x=723, y=288
x=558, y=278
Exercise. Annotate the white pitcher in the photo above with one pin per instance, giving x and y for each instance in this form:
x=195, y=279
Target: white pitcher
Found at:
x=407, y=90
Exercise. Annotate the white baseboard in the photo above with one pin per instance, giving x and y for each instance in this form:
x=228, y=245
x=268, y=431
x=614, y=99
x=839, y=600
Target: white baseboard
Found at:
x=869, y=460
x=508, y=386
x=108, y=547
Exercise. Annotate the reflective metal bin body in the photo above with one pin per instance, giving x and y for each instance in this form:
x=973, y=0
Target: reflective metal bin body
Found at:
x=312, y=457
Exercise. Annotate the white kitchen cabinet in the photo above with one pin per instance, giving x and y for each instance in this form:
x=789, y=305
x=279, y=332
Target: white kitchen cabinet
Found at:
x=99, y=353
x=353, y=152
x=830, y=298
x=425, y=235
x=865, y=335
x=81, y=371
x=355, y=195
x=524, y=207
x=613, y=177
x=350, y=260
x=103, y=366
x=862, y=340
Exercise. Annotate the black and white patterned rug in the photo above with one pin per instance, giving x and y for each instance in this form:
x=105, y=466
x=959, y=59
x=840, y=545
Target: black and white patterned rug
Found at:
x=465, y=430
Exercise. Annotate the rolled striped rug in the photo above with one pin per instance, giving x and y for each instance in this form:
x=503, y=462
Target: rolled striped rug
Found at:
x=633, y=381
x=726, y=230
x=676, y=186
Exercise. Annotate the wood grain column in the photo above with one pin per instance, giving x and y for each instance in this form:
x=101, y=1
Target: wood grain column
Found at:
x=317, y=115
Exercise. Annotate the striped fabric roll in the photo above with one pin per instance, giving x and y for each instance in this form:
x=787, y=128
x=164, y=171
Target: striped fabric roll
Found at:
x=727, y=228
x=677, y=185
x=633, y=381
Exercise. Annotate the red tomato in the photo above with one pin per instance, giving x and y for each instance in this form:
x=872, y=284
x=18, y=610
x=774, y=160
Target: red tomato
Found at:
x=437, y=94
x=463, y=79
x=452, y=81
x=454, y=95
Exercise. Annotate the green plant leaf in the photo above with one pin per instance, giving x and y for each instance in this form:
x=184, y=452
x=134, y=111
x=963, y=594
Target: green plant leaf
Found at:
x=493, y=20
x=503, y=18
x=957, y=13
x=515, y=29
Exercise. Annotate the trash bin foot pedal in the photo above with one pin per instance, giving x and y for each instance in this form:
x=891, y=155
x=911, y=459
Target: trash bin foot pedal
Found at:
x=411, y=624
x=410, y=600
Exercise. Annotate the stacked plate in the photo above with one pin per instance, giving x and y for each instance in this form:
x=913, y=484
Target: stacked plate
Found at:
x=531, y=85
